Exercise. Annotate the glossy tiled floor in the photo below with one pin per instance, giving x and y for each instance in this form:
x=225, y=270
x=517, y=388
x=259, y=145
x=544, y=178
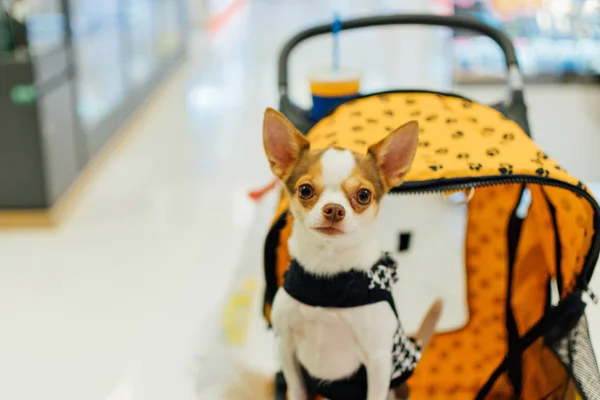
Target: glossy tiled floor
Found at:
x=124, y=302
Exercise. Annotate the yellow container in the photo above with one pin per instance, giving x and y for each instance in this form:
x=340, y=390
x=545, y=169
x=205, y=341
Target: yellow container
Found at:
x=341, y=83
x=331, y=88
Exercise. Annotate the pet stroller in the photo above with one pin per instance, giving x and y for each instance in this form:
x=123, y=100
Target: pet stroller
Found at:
x=518, y=342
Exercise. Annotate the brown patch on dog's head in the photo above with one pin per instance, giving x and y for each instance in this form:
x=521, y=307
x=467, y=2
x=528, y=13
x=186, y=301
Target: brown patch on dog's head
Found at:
x=360, y=193
x=334, y=191
x=367, y=171
x=307, y=165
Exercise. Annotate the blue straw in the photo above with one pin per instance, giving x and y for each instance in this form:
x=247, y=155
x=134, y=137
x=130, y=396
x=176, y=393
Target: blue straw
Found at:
x=336, y=27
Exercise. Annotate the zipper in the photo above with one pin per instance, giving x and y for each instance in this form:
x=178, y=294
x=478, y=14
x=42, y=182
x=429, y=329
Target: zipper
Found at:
x=457, y=184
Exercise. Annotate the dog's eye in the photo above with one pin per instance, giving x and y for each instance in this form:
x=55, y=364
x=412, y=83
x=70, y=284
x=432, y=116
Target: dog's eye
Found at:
x=306, y=191
x=363, y=196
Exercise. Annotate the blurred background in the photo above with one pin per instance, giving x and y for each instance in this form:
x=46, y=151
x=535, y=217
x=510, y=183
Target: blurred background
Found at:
x=130, y=137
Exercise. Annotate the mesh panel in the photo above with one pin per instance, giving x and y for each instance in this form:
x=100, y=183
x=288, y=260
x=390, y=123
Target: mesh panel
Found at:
x=565, y=369
x=576, y=353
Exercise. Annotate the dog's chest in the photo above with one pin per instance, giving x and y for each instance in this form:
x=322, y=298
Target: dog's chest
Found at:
x=325, y=339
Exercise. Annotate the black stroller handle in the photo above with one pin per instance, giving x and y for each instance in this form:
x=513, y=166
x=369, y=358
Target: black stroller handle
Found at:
x=472, y=24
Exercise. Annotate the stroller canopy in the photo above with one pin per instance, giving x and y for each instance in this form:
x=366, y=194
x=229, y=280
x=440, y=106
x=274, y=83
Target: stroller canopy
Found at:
x=515, y=342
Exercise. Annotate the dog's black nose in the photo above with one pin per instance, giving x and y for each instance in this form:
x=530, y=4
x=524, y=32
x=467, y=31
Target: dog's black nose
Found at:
x=334, y=212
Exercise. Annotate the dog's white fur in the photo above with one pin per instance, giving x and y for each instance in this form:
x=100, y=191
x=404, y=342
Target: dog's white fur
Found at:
x=337, y=165
x=332, y=343
x=327, y=255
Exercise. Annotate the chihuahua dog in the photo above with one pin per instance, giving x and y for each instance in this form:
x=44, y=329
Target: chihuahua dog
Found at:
x=336, y=326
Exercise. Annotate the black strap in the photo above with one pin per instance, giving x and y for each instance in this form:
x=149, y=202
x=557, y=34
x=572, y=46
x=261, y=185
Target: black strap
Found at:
x=270, y=260
x=569, y=308
x=515, y=225
x=344, y=290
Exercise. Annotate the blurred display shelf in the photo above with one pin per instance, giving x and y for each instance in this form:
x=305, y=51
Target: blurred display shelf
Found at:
x=469, y=79
x=556, y=40
x=84, y=69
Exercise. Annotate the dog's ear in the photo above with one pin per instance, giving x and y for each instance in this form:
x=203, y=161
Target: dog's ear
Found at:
x=283, y=143
x=394, y=154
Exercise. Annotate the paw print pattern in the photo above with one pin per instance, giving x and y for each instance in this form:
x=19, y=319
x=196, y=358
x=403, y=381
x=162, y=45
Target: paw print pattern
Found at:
x=356, y=113
x=424, y=143
x=506, y=169
x=441, y=150
x=415, y=113
x=458, y=134
x=540, y=158
x=475, y=166
x=451, y=121
x=357, y=128
x=508, y=137
x=371, y=121
x=537, y=161
x=436, y=167
x=492, y=152
x=463, y=156
x=389, y=113
x=431, y=118
x=488, y=131
x=542, y=172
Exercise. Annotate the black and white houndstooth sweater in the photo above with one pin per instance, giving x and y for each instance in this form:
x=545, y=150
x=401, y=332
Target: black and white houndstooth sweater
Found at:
x=352, y=289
